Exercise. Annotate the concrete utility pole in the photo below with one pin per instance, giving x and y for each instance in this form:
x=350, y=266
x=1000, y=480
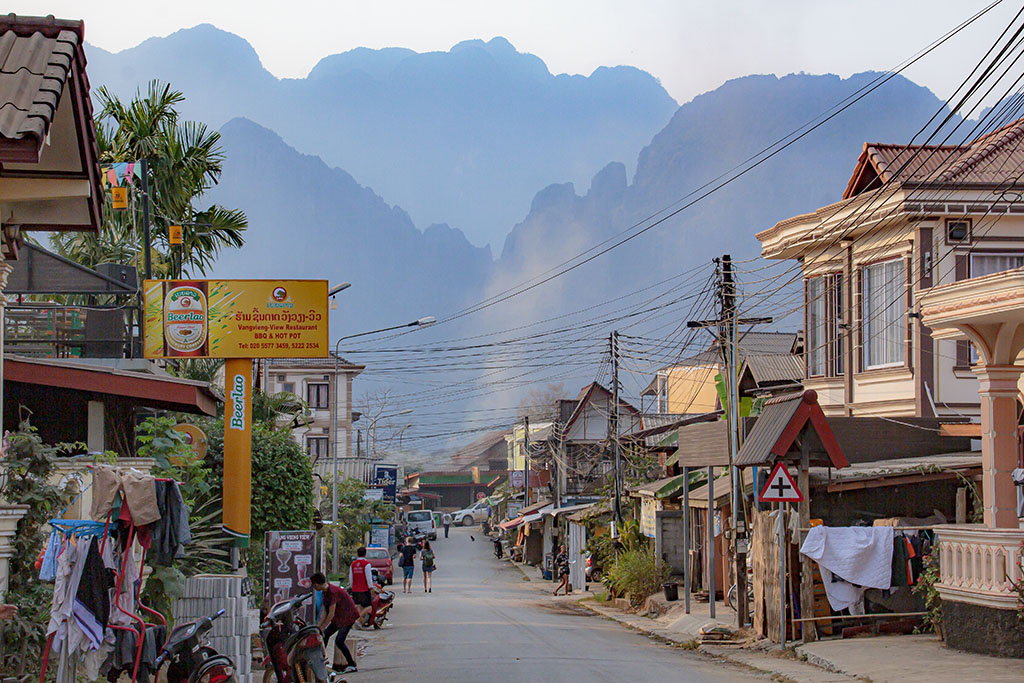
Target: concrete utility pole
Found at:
x=726, y=325
x=613, y=427
x=526, y=461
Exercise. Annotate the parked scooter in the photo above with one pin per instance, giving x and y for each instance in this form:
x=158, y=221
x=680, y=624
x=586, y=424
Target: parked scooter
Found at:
x=189, y=660
x=381, y=604
x=295, y=650
x=498, y=550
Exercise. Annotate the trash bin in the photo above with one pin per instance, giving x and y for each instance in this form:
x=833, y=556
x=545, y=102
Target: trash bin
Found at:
x=671, y=591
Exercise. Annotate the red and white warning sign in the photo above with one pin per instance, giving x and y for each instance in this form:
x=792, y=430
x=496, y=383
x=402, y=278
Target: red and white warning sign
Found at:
x=780, y=487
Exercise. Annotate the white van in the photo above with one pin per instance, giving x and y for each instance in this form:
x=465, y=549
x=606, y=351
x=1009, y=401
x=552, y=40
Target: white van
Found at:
x=422, y=521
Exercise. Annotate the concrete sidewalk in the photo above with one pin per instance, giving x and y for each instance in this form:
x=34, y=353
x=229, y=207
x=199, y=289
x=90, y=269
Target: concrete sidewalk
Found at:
x=908, y=658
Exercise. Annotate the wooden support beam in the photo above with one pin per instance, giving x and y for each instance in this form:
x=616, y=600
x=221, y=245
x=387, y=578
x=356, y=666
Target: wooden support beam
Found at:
x=969, y=430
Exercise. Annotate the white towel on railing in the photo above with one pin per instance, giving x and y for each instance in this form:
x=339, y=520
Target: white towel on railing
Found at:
x=861, y=556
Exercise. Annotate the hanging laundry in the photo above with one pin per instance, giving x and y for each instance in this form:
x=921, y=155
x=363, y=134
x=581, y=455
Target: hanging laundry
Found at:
x=902, y=555
x=171, y=532
x=92, y=600
x=1018, y=480
x=860, y=556
x=48, y=568
x=138, y=488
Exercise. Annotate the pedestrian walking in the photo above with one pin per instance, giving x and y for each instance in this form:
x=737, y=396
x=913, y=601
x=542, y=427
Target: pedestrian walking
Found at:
x=427, y=558
x=340, y=612
x=447, y=520
x=360, y=579
x=408, y=564
x=562, y=567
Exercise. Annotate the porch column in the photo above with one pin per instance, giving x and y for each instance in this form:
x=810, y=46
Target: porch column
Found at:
x=5, y=271
x=998, y=390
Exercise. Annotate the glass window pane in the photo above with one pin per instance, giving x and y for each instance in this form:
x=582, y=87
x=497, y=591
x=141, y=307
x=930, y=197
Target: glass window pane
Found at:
x=816, y=327
x=883, y=314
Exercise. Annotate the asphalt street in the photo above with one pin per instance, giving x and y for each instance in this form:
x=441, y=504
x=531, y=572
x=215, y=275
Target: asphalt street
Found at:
x=483, y=622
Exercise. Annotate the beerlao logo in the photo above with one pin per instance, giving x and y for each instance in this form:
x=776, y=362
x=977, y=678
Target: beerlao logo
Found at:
x=279, y=298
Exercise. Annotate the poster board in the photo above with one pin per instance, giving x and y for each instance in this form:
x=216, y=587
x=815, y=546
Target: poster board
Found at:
x=288, y=563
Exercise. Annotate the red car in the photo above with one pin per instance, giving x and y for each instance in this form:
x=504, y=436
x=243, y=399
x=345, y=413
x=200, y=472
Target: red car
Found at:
x=381, y=561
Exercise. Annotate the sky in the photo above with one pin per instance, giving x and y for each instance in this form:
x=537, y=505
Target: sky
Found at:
x=692, y=47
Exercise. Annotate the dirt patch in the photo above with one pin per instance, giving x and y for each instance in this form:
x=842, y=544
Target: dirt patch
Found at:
x=571, y=609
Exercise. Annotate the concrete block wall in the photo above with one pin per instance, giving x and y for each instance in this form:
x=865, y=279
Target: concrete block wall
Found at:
x=231, y=634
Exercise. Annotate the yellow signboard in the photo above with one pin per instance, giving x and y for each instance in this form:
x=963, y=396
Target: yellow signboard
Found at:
x=119, y=195
x=174, y=235
x=235, y=318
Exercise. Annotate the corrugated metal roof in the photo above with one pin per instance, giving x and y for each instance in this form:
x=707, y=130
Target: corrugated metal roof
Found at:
x=749, y=343
x=33, y=71
x=775, y=367
x=773, y=420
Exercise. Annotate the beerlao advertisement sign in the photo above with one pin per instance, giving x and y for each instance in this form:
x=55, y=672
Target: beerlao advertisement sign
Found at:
x=235, y=319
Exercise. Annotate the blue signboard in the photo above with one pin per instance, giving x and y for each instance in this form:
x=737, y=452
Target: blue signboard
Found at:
x=386, y=477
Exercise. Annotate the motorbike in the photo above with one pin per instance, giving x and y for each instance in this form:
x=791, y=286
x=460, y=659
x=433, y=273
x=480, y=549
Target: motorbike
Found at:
x=382, y=602
x=295, y=650
x=189, y=660
x=498, y=551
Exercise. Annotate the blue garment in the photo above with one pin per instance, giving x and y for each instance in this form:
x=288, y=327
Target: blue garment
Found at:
x=48, y=570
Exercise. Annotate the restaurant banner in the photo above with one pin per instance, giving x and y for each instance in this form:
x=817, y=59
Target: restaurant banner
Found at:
x=288, y=564
x=235, y=319
x=386, y=477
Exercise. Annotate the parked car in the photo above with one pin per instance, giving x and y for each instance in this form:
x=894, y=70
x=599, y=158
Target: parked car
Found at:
x=380, y=560
x=421, y=522
x=471, y=515
x=593, y=572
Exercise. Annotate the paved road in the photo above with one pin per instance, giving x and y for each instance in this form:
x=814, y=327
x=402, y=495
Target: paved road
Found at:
x=482, y=622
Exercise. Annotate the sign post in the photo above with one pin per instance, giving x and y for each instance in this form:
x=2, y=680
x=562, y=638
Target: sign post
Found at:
x=781, y=489
x=237, y=320
x=238, y=450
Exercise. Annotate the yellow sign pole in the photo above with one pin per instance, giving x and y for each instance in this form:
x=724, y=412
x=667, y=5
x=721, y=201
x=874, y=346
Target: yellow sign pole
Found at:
x=238, y=449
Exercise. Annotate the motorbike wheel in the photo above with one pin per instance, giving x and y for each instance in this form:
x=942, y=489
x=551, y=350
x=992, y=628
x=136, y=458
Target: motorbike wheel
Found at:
x=316, y=670
x=268, y=675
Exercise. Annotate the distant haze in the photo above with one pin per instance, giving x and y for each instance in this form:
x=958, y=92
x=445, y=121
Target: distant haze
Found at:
x=692, y=46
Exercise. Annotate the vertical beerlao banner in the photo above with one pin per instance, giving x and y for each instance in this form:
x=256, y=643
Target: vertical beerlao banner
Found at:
x=237, y=496
x=235, y=319
x=385, y=477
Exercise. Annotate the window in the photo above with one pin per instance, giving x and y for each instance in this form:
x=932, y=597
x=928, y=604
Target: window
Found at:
x=883, y=308
x=288, y=387
x=986, y=264
x=316, y=395
x=317, y=447
x=824, y=315
x=958, y=231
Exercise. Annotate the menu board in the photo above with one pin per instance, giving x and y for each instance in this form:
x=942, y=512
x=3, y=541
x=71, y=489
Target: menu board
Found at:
x=288, y=564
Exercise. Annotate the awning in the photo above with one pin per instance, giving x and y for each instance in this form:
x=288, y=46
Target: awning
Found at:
x=511, y=524
x=150, y=390
x=723, y=489
x=662, y=488
x=557, y=512
x=535, y=507
x=537, y=515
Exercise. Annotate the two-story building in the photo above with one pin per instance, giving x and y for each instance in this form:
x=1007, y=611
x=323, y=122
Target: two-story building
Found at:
x=325, y=384
x=912, y=217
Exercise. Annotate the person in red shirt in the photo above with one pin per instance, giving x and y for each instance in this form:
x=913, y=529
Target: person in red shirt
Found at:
x=360, y=582
x=338, y=616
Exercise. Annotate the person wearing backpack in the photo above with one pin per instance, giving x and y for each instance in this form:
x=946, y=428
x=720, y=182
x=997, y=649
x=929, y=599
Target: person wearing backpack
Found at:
x=427, y=557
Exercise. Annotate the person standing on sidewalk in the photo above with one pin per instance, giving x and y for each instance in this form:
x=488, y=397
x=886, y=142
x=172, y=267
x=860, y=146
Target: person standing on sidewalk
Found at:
x=360, y=579
x=562, y=569
x=427, y=557
x=338, y=616
x=408, y=564
x=447, y=520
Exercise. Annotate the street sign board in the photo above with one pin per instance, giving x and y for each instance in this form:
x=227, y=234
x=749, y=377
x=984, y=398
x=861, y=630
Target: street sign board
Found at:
x=288, y=564
x=515, y=479
x=235, y=318
x=385, y=477
x=780, y=487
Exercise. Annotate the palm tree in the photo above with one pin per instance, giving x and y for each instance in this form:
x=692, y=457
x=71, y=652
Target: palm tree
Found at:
x=185, y=160
x=269, y=407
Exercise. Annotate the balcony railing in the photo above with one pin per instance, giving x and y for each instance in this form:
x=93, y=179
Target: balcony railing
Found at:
x=978, y=565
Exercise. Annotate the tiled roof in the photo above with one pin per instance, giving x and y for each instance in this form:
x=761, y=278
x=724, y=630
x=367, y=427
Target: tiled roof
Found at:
x=35, y=59
x=992, y=159
x=312, y=362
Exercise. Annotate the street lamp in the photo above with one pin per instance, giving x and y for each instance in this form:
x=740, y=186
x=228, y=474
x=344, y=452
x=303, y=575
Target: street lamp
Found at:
x=420, y=322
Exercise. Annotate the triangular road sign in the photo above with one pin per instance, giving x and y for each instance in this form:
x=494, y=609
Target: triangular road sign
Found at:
x=780, y=487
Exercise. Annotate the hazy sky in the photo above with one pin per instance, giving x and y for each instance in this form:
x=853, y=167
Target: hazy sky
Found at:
x=691, y=46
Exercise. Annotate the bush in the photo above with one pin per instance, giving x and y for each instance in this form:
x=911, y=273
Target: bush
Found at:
x=636, y=574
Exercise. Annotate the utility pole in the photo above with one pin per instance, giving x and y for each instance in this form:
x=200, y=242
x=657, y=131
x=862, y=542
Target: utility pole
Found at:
x=613, y=428
x=726, y=327
x=526, y=461
x=146, y=237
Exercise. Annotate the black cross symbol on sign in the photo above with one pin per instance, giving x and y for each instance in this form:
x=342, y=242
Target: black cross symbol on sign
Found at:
x=782, y=486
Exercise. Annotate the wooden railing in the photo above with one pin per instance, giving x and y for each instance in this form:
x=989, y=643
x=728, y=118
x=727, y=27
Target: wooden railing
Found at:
x=978, y=565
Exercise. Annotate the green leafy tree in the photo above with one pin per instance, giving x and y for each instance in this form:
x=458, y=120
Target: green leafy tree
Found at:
x=354, y=514
x=27, y=468
x=185, y=160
